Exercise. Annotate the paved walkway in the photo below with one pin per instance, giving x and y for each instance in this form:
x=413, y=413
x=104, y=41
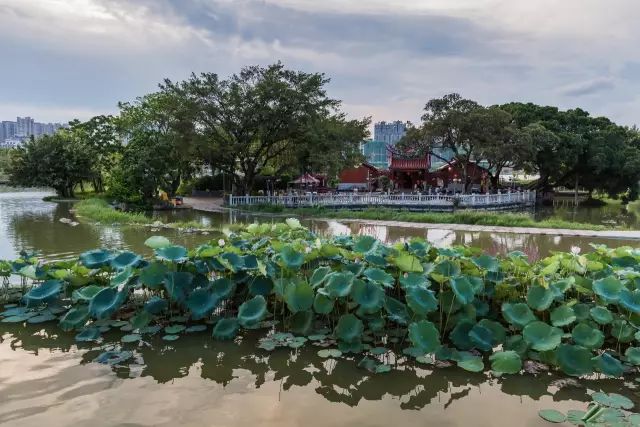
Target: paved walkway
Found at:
x=211, y=204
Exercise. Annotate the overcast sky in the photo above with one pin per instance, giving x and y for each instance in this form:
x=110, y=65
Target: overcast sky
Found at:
x=64, y=59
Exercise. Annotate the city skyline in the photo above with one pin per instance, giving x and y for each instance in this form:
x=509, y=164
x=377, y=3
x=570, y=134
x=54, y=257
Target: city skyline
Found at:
x=385, y=58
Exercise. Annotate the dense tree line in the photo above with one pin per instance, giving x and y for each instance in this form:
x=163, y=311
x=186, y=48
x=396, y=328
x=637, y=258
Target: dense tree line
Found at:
x=565, y=148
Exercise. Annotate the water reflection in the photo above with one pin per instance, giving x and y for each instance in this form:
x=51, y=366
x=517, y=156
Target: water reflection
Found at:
x=241, y=369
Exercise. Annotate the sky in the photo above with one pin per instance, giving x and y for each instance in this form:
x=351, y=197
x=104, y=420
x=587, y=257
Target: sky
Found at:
x=65, y=59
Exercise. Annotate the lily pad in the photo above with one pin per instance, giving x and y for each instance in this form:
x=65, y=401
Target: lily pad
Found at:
x=157, y=242
x=88, y=334
x=612, y=400
x=349, y=328
x=562, y=316
x=252, y=311
x=506, y=362
x=542, y=337
x=125, y=259
x=225, y=329
x=113, y=357
x=518, y=314
x=421, y=301
x=368, y=295
x=299, y=296
x=379, y=276
x=201, y=303
x=172, y=253
x=424, y=336
x=539, y=298
x=608, y=288
x=130, y=338
x=106, y=302
x=552, y=415
x=96, y=258
x=574, y=360
x=47, y=291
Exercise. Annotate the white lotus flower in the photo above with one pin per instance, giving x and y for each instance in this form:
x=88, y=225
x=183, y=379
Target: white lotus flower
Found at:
x=307, y=249
x=221, y=243
x=575, y=250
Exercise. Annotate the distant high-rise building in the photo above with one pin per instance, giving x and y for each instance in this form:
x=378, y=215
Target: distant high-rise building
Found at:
x=7, y=130
x=376, y=154
x=13, y=133
x=24, y=127
x=389, y=132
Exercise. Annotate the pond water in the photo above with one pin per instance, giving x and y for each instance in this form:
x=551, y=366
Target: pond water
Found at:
x=46, y=378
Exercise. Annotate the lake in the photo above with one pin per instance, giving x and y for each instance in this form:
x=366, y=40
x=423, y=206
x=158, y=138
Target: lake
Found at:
x=46, y=378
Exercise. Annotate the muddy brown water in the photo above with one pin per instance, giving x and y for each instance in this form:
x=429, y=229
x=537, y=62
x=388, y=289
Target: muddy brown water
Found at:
x=47, y=379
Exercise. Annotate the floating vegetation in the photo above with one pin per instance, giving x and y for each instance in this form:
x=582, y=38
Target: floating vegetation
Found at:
x=354, y=296
x=607, y=409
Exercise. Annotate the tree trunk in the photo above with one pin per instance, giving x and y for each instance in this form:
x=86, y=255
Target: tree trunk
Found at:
x=495, y=182
x=575, y=191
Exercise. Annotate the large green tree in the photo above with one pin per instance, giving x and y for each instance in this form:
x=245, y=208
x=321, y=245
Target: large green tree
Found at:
x=253, y=119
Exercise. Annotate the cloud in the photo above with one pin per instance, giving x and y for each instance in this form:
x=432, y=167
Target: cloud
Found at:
x=386, y=58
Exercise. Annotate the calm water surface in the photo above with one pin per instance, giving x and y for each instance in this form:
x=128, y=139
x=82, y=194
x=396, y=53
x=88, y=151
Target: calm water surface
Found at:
x=46, y=379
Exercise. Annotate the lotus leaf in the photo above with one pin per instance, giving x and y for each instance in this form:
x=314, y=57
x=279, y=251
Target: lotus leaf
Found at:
x=329, y=352
x=396, y=310
x=339, y=285
x=354, y=268
x=409, y=280
x=518, y=314
x=106, y=302
x=481, y=337
x=460, y=335
x=226, y=329
x=498, y=332
x=74, y=318
x=156, y=305
x=574, y=360
x=470, y=362
x=252, y=311
x=319, y=275
x=463, y=289
x=130, y=338
x=301, y=322
x=122, y=278
x=587, y=336
x=560, y=287
x=140, y=320
x=365, y=244
x=113, y=357
x=46, y=292
x=408, y=263
x=612, y=400
x=170, y=337
x=172, y=253
x=369, y=295
x=552, y=415
x=322, y=304
x=581, y=311
x=157, y=242
x=234, y=261
x=630, y=300
x=154, y=275
x=349, y=328
x=542, y=337
x=379, y=276
x=86, y=293
x=201, y=303
x=291, y=258
x=601, y=314
x=88, y=334
x=174, y=329
x=261, y=286
x=96, y=258
x=562, y=316
x=223, y=288
x=421, y=301
x=299, y=296
x=622, y=331
x=178, y=285
x=42, y=318
x=505, y=362
x=424, y=336
x=125, y=259
x=608, y=365
x=632, y=355
x=486, y=262
x=608, y=289
x=539, y=298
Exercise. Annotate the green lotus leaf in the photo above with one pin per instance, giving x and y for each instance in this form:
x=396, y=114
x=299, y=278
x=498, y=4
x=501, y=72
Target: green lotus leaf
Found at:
x=157, y=242
x=299, y=296
x=498, y=332
x=379, y=276
x=481, y=337
x=608, y=365
x=322, y=304
x=376, y=260
x=141, y=320
x=339, y=285
x=234, y=261
x=396, y=310
x=291, y=258
x=172, y=253
x=446, y=269
x=252, y=311
x=301, y=323
x=518, y=314
x=74, y=318
x=574, y=360
x=19, y=318
x=421, y=301
x=575, y=417
x=506, y=362
x=356, y=268
x=125, y=259
x=424, y=336
x=622, y=331
x=587, y=336
x=42, y=318
x=153, y=275
x=470, y=362
x=463, y=289
x=349, y=328
x=174, y=329
x=14, y=311
x=106, y=302
x=170, y=337
x=369, y=295
x=129, y=338
x=201, y=303
x=552, y=416
x=223, y=288
x=226, y=329
x=612, y=400
x=250, y=262
x=329, y=352
x=86, y=293
x=178, y=285
x=88, y=334
x=632, y=355
x=156, y=305
x=542, y=337
x=261, y=285
x=630, y=300
x=409, y=280
x=113, y=357
x=624, y=262
x=581, y=311
x=365, y=244
x=122, y=278
x=96, y=258
x=486, y=262
x=459, y=335
x=562, y=316
x=539, y=298
x=408, y=263
x=560, y=287
x=319, y=275
x=601, y=314
x=46, y=292
x=608, y=288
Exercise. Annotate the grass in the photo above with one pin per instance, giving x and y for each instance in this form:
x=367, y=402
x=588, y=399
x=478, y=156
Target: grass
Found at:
x=460, y=217
x=99, y=210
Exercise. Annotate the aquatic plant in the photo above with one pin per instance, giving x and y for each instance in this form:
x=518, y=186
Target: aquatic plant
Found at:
x=353, y=295
x=606, y=409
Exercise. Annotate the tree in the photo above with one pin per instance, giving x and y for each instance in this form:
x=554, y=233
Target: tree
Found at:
x=59, y=161
x=253, y=118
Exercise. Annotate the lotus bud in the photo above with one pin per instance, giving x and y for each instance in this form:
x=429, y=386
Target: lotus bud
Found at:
x=221, y=243
x=575, y=250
